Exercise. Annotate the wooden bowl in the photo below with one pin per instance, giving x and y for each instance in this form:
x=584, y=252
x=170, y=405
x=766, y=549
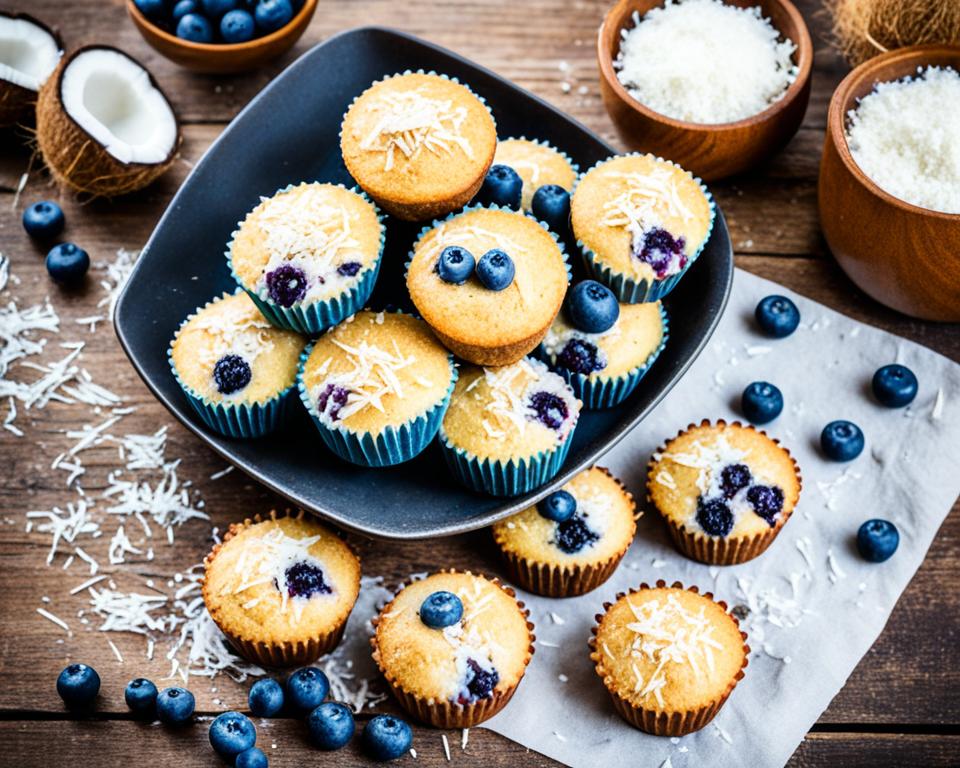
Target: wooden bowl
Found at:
x=214, y=58
x=710, y=151
x=902, y=255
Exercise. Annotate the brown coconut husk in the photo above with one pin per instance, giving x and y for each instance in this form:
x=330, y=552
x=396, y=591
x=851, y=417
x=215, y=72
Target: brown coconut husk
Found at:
x=17, y=104
x=75, y=159
x=863, y=29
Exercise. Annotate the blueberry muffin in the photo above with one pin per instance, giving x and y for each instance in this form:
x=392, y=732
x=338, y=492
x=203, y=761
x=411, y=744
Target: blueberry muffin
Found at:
x=538, y=164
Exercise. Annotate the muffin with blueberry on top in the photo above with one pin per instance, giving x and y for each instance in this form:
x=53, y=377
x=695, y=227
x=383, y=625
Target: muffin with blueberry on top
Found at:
x=453, y=647
x=724, y=490
x=236, y=369
x=572, y=541
x=538, y=164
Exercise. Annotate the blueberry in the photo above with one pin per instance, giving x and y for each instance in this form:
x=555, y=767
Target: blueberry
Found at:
x=214, y=9
x=141, y=696
x=306, y=580
x=455, y=265
x=231, y=373
x=573, y=535
x=78, y=685
x=232, y=733
x=733, y=477
x=265, y=698
x=895, y=385
x=480, y=682
x=580, y=356
x=841, y=440
x=43, y=220
x=332, y=398
x=660, y=249
x=153, y=9
x=307, y=688
x=551, y=205
x=237, y=26
x=714, y=516
x=501, y=186
x=441, y=609
x=495, y=270
x=386, y=738
x=777, y=316
x=592, y=307
x=349, y=268
x=286, y=285
x=273, y=14
x=67, y=263
x=551, y=409
x=251, y=758
x=175, y=705
x=761, y=402
x=558, y=506
x=767, y=502
x=331, y=725
x=877, y=540
x=182, y=8
x=194, y=28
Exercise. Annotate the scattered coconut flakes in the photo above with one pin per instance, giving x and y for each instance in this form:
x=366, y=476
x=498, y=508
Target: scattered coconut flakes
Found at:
x=937, y=413
x=558, y=620
x=464, y=738
x=559, y=736
x=222, y=473
x=65, y=524
x=446, y=746
x=118, y=272
x=116, y=651
x=55, y=619
x=836, y=572
x=87, y=584
x=722, y=733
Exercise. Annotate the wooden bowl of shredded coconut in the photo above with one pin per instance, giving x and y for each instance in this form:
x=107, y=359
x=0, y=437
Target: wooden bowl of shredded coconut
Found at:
x=716, y=86
x=889, y=190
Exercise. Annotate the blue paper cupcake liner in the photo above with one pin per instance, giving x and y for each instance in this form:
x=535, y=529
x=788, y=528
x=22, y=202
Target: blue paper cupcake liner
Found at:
x=631, y=291
x=312, y=318
x=393, y=445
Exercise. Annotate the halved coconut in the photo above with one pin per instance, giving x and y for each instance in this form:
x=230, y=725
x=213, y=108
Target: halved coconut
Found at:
x=29, y=52
x=103, y=125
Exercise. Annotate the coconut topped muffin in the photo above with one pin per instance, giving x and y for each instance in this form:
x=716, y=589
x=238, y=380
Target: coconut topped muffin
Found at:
x=418, y=143
x=489, y=281
x=538, y=164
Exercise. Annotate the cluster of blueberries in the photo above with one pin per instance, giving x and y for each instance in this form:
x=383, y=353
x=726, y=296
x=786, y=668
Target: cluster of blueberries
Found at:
x=495, y=269
x=67, y=263
x=573, y=533
x=503, y=186
x=233, y=735
x=220, y=21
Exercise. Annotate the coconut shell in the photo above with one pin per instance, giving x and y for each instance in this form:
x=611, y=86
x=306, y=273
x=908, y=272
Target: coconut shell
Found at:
x=16, y=102
x=75, y=159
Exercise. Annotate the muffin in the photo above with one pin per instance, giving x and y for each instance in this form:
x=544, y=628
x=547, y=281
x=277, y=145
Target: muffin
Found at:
x=641, y=222
x=309, y=255
x=668, y=656
x=573, y=540
x=724, y=490
x=508, y=429
x=377, y=387
x=483, y=325
x=281, y=589
x=419, y=144
x=236, y=369
x=453, y=648
x=605, y=368
x=538, y=164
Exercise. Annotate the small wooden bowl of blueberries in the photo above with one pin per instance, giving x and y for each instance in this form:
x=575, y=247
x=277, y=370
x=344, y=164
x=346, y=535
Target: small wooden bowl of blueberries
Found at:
x=221, y=36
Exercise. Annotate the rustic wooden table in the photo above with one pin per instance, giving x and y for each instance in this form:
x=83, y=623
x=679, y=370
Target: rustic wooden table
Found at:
x=899, y=707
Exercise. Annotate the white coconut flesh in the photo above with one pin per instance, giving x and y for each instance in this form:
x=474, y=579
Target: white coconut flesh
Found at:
x=114, y=100
x=28, y=53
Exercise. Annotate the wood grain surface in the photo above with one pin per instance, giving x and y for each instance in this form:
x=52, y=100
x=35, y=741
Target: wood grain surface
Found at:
x=899, y=707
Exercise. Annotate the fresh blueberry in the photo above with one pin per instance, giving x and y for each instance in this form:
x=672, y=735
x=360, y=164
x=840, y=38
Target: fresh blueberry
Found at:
x=231, y=373
x=877, y=540
x=331, y=725
x=592, y=307
x=777, y=316
x=441, y=609
x=141, y=696
x=480, y=682
x=265, y=698
x=214, y=9
x=251, y=758
x=67, y=263
x=273, y=14
x=495, y=270
x=78, y=685
x=580, y=356
x=307, y=688
x=841, y=440
x=455, y=265
x=43, y=220
x=761, y=402
x=153, y=9
x=306, y=580
x=660, y=249
x=286, y=285
x=194, y=28
x=895, y=385
x=767, y=502
x=501, y=186
x=550, y=408
x=733, y=477
x=573, y=535
x=386, y=738
x=237, y=26
x=551, y=205
x=232, y=733
x=182, y=8
x=175, y=705
x=558, y=506
x=332, y=398
x=349, y=268
x=714, y=516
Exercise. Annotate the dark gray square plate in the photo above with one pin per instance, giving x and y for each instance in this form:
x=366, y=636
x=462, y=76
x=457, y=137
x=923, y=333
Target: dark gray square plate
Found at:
x=290, y=133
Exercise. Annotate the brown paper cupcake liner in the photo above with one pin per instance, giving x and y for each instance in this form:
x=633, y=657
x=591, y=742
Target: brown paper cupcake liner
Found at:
x=271, y=654
x=449, y=714
x=661, y=723
x=714, y=550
